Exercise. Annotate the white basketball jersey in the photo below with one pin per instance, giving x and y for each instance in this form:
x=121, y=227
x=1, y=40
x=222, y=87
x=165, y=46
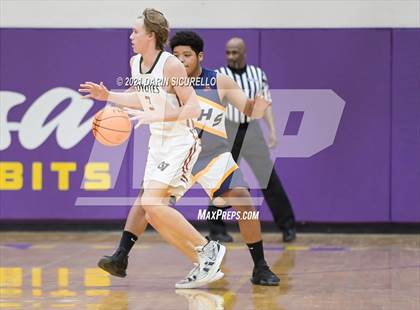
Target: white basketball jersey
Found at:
x=151, y=86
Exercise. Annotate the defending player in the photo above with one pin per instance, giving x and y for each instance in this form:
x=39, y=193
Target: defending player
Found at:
x=215, y=169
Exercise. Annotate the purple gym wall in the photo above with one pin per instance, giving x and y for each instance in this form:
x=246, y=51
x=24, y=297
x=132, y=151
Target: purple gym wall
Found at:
x=371, y=172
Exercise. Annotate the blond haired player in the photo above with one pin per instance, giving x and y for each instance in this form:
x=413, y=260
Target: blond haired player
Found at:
x=173, y=148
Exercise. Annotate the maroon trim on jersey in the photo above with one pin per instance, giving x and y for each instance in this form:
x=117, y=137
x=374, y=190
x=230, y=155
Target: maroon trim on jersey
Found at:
x=194, y=131
x=187, y=161
x=179, y=101
x=189, y=124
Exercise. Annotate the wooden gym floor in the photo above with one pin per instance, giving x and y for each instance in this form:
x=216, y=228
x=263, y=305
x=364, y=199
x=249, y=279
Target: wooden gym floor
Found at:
x=57, y=270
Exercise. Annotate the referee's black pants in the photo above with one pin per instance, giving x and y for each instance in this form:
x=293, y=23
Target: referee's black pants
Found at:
x=248, y=142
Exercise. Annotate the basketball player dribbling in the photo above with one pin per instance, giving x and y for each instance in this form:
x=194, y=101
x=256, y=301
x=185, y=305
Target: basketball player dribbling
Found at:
x=173, y=149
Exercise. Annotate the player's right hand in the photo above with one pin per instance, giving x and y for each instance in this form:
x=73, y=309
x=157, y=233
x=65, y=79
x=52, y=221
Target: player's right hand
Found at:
x=94, y=91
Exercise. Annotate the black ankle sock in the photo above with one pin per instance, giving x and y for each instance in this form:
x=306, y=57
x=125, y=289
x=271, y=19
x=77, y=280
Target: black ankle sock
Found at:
x=127, y=241
x=257, y=252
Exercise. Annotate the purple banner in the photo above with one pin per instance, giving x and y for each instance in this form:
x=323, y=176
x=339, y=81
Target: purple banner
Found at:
x=405, y=163
x=40, y=72
x=349, y=181
x=346, y=103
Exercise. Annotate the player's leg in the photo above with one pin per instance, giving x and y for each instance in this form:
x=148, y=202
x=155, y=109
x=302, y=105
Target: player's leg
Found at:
x=224, y=180
x=217, y=227
x=241, y=201
x=137, y=223
x=153, y=207
x=168, y=220
x=257, y=155
x=155, y=203
x=236, y=134
x=116, y=264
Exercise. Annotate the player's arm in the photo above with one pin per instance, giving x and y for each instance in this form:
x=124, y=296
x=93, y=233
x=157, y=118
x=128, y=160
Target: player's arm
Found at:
x=231, y=92
x=190, y=107
x=131, y=88
x=269, y=119
x=129, y=98
x=268, y=115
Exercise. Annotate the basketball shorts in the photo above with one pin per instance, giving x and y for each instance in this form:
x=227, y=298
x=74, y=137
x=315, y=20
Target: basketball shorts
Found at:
x=217, y=174
x=171, y=163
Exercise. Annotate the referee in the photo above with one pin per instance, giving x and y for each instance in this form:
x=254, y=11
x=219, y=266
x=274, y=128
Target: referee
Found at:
x=252, y=146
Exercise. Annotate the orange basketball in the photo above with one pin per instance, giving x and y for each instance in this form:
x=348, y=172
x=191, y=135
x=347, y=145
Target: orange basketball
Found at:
x=111, y=126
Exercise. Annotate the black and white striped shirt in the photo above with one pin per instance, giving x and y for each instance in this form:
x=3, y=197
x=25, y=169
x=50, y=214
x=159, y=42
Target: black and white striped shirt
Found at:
x=253, y=81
